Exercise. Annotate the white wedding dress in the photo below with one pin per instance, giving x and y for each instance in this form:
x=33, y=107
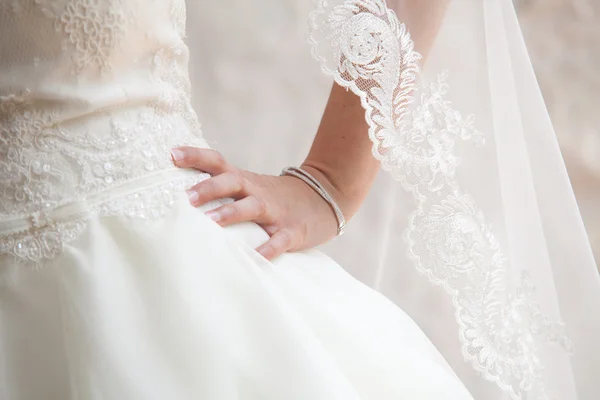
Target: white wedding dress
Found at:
x=112, y=286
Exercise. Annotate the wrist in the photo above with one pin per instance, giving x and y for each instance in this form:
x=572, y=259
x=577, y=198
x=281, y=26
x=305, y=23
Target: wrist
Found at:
x=341, y=192
x=319, y=188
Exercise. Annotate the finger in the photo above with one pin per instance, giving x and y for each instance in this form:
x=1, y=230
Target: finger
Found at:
x=206, y=160
x=247, y=209
x=221, y=186
x=278, y=244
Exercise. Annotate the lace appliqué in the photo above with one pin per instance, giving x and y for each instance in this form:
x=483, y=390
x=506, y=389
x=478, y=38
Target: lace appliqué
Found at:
x=371, y=53
x=45, y=166
x=56, y=154
x=42, y=241
x=178, y=16
x=45, y=163
x=93, y=29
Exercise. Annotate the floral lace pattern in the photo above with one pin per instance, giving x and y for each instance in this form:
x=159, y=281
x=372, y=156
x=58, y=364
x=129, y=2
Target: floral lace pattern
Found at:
x=178, y=16
x=46, y=162
x=92, y=29
x=57, y=154
x=371, y=52
x=44, y=242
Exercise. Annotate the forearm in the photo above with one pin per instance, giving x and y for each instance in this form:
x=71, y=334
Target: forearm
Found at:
x=340, y=156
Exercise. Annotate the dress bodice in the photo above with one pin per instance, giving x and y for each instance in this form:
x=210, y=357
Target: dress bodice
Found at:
x=93, y=95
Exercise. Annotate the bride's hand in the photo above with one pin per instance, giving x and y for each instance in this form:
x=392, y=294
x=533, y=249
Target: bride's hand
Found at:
x=294, y=216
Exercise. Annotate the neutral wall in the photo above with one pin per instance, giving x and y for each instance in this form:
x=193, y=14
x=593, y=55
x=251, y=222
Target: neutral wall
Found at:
x=254, y=78
x=563, y=37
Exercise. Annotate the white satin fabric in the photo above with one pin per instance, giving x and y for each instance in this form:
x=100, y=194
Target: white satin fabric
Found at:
x=112, y=286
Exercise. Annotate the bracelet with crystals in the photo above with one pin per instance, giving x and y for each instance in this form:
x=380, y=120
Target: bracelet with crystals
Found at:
x=317, y=187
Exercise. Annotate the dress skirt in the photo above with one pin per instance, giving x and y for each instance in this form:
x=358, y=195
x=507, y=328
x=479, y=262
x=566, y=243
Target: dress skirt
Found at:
x=179, y=308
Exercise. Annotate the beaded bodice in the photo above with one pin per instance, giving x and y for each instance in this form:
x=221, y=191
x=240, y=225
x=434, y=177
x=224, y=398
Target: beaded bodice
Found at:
x=93, y=95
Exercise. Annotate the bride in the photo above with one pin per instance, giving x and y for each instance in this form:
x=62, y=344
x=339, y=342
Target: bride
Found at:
x=136, y=262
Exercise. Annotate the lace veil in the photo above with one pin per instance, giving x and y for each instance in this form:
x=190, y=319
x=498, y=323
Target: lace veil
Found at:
x=474, y=230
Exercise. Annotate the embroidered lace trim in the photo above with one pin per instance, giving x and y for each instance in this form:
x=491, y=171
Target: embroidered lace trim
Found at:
x=92, y=29
x=370, y=52
x=40, y=238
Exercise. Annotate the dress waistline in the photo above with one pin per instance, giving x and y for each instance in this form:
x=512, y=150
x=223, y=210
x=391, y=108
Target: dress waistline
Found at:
x=39, y=237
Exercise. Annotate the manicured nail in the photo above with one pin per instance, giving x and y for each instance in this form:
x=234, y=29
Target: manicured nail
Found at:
x=266, y=252
x=177, y=154
x=214, y=215
x=193, y=196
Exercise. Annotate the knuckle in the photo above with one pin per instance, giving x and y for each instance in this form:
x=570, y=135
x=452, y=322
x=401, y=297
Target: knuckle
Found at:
x=217, y=158
x=286, y=239
x=227, y=176
x=232, y=212
x=296, y=236
x=238, y=183
x=209, y=185
x=302, y=231
x=241, y=182
x=271, y=229
x=260, y=205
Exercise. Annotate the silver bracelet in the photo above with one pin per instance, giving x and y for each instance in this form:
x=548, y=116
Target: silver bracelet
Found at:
x=317, y=187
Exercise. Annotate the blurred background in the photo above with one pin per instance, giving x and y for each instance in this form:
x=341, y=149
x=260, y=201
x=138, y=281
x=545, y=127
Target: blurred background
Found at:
x=254, y=78
x=563, y=37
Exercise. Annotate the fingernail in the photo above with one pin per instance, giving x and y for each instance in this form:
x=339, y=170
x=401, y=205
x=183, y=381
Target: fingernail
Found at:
x=266, y=252
x=193, y=196
x=214, y=215
x=177, y=154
